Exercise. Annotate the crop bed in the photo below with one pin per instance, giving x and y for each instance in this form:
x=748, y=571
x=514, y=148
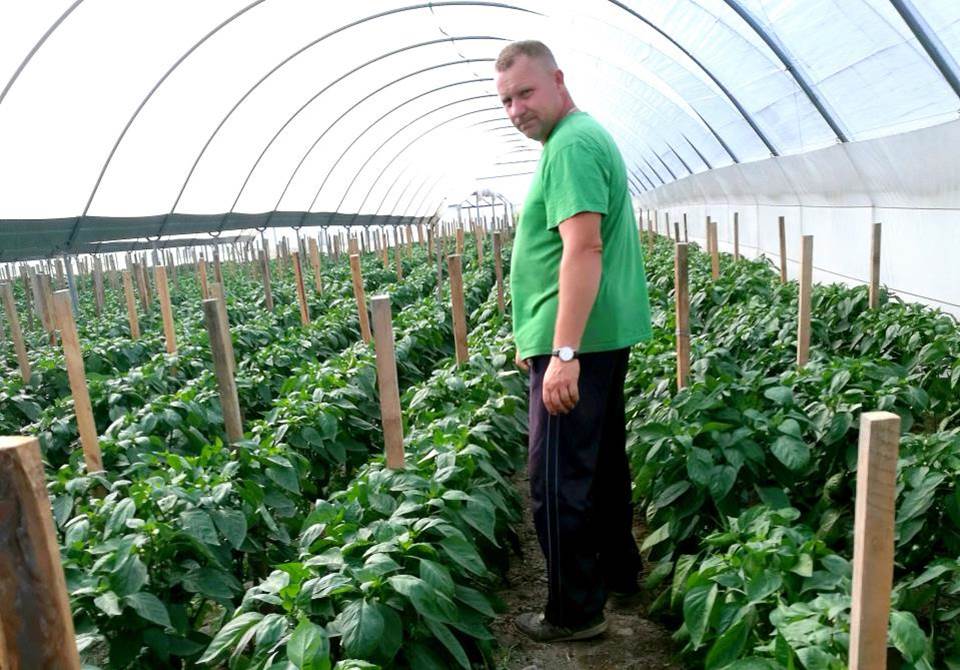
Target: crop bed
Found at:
x=746, y=478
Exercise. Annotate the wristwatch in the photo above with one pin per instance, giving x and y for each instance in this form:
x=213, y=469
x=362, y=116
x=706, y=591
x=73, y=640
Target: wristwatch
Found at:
x=565, y=354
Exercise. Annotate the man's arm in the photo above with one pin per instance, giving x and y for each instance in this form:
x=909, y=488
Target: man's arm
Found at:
x=580, y=268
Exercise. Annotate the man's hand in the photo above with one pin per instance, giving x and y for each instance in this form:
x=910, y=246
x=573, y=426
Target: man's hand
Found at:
x=561, y=390
x=522, y=364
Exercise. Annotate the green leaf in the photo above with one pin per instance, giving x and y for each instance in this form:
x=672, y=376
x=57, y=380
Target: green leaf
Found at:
x=437, y=576
x=790, y=427
x=211, y=582
x=428, y=601
x=229, y=635
x=309, y=647
x=762, y=585
x=791, y=452
x=361, y=625
x=312, y=437
x=780, y=395
x=699, y=465
x=285, y=477
x=108, y=603
x=197, y=524
x=449, y=640
x=149, y=607
x=124, y=510
x=728, y=646
x=463, y=554
x=697, y=608
x=906, y=636
x=475, y=599
x=423, y=657
x=661, y=534
x=482, y=516
x=130, y=576
x=232, y=524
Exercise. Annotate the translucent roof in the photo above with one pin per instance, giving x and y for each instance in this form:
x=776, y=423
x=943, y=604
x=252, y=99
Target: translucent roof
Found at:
x=118, y=108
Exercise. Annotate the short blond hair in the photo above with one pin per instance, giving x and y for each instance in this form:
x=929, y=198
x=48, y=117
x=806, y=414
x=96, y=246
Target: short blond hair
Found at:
x=528, y=48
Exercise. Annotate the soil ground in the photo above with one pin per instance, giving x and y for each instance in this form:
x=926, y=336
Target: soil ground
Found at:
x=631, y=642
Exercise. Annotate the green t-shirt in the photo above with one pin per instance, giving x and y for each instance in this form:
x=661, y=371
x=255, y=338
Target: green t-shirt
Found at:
x=580, y=170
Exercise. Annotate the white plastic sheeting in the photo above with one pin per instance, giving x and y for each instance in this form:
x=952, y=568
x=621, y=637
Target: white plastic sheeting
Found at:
x=389, y=108
x=907, y=182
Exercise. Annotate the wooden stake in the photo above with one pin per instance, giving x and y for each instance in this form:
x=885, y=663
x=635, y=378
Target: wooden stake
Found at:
x=131, y=305
x=874, y=290
x=315, y=262
x=163, y=295
x=387, y=381
x=399, y=260
x=498, y=271
x=301, y=289
x=217, y=293
x=686, y=235
x=265, y=277
x=682, y=304
x=873, y=539
x=204, y=286
x=16, y=333
x=78, y=381
x=783, y=250
x=36, y=626
x=223, y=367
x=459, y=246
x=217, y=269
x=806, y=288
x=358, y=294
x=454, y=267
x=713, y=244
x=736, y=236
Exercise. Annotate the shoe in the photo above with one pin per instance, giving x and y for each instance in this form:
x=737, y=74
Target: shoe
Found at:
x=535, y=626
x=627, y=600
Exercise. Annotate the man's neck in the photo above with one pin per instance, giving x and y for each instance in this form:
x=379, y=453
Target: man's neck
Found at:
x=567, y=110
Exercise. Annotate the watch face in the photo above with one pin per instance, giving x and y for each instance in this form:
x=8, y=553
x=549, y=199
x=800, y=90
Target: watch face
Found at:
x=566, y=354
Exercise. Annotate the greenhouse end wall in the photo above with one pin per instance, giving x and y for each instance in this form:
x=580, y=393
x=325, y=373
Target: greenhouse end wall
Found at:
x=908, y=182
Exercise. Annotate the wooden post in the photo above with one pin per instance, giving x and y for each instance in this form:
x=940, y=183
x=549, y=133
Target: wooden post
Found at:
x=217, y=269
x=218, y=294
x=676, y=231
x=36, y=626
x=204, y=285
x=478, y=237
x=806, y=287
x=682, y=304
x=16, y=333
x=650, y=234
x=301, y=290
x=265, y=276
x=409, y=241
x=399, y=260
x=736, y=236
x=358, y=294
x=454, y=266
x=873, y=539
x=686, y=235
x=315, y=262
x=874, y=290
x=430, y=241
x=78, y=381
x=223, y=367
x=163, y=295
x=713, y=244
x=783, y=250
x=498, y=270
x=131, y=305
x=387, y=381
x=459, y=246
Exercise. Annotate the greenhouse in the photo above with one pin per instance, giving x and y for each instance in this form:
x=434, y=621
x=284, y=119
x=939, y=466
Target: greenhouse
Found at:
x=467, y=334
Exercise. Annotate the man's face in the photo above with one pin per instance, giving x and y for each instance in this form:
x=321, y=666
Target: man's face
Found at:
x=532, y=96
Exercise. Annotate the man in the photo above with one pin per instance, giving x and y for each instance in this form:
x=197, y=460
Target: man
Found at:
x=579, y=301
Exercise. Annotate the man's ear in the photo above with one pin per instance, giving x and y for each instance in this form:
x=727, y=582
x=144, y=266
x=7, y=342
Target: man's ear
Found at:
x=558, y=77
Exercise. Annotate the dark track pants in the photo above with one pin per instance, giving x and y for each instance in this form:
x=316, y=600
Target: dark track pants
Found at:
x=580, y=486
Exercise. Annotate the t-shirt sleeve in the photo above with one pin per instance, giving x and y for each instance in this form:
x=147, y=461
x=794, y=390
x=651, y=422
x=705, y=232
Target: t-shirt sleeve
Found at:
x=575, y=180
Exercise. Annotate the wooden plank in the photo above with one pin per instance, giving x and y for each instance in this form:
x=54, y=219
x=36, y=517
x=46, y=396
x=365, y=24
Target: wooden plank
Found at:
x=390, y=413
x=498, y=271
x=783, y=249
x=16, y=333
x=397, y=255
x=131, y=305
x=874, y=290
x=459, y=246
x=455, y=268
x=301, y=289
x=873, y=545
x=78, y=381
x=736, y=236
x=217, y=293
x=681, y=281
x=358, y=294
x=806, y=288
x=217, y=268
x=315, y=262
x=166, y=311
x=36, y=625
x=223, y=367
x=204, y=285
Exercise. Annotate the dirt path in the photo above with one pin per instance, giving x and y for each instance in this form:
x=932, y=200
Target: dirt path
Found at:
x=630, y=643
